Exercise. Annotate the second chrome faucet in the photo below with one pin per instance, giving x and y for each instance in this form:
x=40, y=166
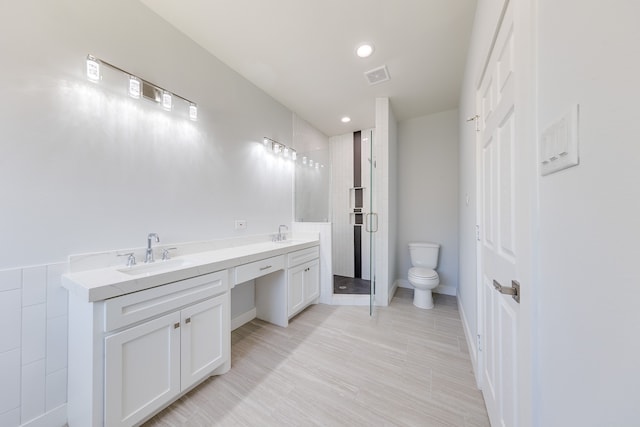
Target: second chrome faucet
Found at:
x=149, y=254
x=281, y=236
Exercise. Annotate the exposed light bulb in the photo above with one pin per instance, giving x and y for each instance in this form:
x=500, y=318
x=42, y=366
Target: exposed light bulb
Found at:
x=193, y=112
x=294, y=155
x=286, y=152
x=93, y=68
x=304, y=160
x=277, y=148
x=134, y=87
x=317, y=165
x=167, y=101
x=310, y=163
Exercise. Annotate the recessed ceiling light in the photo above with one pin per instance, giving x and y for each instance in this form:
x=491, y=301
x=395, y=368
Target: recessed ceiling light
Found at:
x=364, y=50
x=345, y=119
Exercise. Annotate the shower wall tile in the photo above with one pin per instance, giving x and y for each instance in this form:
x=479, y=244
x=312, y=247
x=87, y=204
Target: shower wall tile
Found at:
x=10, y=308
x=56, y=393
x=33, y=343
x=9, y=380
x=57, y=296
x=56, y=344
x=10, y=418
x=341, y=181
x=10, y=279
x=33, y=390
x=34, y=330
x=34, y=286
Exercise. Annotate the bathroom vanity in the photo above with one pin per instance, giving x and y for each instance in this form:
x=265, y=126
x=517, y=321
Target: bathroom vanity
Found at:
x=142, y=336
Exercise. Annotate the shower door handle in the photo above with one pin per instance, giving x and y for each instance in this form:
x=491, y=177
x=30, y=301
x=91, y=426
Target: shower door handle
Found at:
x=371, y=220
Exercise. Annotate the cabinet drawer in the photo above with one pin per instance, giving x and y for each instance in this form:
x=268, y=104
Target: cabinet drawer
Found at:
x=259, y=268
x=304, y=255
x=132, y=308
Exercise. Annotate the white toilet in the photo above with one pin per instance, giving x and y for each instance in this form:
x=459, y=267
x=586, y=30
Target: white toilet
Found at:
x=423, y=276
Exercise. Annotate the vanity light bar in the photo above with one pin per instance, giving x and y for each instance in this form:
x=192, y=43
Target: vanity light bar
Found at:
x=140, y=87
x=278, y=148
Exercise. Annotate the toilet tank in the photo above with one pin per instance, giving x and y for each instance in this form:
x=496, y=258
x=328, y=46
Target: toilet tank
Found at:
x=424, y=254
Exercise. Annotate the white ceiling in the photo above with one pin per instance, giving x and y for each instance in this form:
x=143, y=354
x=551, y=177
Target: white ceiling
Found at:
x=302, y=52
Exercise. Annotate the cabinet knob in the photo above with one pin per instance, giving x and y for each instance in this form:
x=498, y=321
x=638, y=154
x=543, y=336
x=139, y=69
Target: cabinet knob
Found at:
x=176, y=325
x=187, y=320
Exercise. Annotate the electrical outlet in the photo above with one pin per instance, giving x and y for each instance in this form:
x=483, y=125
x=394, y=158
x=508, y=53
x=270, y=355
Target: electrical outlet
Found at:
x=241, y=224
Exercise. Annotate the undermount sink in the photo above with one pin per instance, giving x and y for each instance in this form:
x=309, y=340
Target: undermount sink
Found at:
x=286, y=242
x=155, y=267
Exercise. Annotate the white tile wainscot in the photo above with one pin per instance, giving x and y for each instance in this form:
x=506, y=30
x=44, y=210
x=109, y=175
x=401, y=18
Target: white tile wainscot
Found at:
x=129, y=328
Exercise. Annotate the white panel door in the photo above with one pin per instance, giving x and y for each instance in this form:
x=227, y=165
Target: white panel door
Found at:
x=205, y=330
x=142, y=370
x=499, y=313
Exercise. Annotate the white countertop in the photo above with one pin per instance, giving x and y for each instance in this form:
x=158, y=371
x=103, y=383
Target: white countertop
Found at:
x=103, y=283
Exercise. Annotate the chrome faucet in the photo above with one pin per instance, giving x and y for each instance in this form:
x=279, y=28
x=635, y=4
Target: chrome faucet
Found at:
x=149, y=255
x=282, y=236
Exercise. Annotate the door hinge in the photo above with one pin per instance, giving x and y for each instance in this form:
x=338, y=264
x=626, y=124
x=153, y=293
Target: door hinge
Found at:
x=478, y=233
x=479, y=343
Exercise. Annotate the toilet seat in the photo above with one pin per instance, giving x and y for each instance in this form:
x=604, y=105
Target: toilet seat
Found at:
x=425, y=276
x=422, y=273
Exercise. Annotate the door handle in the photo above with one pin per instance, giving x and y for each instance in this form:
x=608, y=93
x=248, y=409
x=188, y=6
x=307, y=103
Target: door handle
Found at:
x=371, y=219
x=513, y=290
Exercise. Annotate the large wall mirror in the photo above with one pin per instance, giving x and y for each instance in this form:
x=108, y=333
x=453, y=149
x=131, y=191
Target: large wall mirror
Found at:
x=313, y=173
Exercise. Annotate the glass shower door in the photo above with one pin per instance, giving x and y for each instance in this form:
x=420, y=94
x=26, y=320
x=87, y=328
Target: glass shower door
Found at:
x=371, y=224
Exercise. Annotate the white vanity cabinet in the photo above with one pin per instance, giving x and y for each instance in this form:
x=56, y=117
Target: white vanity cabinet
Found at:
x=142, y=370
x=282, y=294
x=303, y=279
x=156, y=344
x=142, y=336
x=304, y=286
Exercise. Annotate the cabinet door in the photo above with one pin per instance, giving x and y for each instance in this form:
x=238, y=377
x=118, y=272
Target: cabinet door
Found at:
x=205, y=338
x=311, y=281
x=142, y=370
x=295, y=293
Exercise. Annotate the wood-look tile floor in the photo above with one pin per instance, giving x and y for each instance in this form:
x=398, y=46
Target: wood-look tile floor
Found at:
x=336, y=366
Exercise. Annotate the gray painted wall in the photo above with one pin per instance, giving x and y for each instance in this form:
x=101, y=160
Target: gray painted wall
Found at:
x=93, y=169
x=428, y=191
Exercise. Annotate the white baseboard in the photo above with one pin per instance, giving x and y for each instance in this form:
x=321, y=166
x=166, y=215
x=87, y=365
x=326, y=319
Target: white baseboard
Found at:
x=54, y=418
x=247, y=317
x=394, y=288
x=403, y=283
x=471, y=341
x=441, y=289
x=446, y=290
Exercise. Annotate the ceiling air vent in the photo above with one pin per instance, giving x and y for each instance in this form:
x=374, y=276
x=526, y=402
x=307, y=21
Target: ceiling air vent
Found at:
x=377, y=75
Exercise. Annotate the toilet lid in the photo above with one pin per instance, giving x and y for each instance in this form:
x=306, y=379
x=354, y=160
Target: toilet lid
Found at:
x=425, y=273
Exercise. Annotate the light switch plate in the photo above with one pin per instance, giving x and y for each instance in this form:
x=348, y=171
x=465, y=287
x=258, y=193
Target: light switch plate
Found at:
x=559, y=144
x=241, y=224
